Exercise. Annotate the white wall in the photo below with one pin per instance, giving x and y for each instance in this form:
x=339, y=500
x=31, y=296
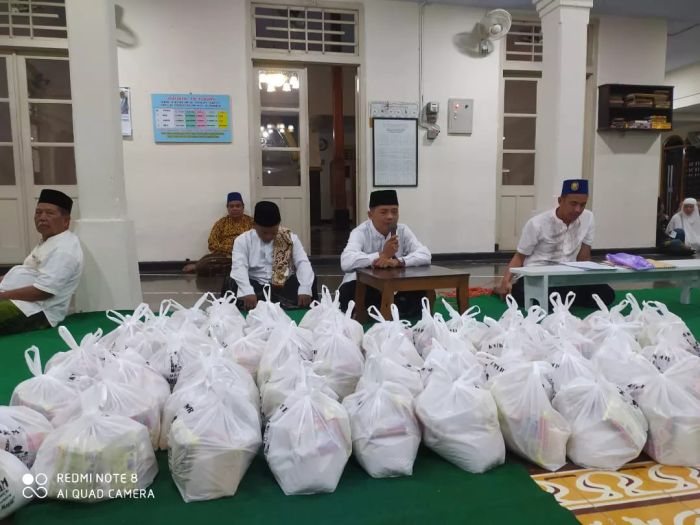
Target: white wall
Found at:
x=686, y=82
x=176, y=192
x=453, y=209
x=626, y=165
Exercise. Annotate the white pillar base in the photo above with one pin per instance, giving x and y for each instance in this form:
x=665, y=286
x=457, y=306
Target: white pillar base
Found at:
x=107, y=281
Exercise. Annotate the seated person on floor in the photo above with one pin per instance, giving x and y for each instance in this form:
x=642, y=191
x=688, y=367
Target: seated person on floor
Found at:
x=221, y=238
x=270, y=254
x=561, y=235
x=684, y=226
x=37, y=293
x=382, y=242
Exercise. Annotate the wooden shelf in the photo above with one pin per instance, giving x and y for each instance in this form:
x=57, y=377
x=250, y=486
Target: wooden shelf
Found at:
x=608, y=112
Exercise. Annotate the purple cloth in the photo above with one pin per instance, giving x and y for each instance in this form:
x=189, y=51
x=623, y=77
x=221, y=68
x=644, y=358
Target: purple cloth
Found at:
x=633, y=262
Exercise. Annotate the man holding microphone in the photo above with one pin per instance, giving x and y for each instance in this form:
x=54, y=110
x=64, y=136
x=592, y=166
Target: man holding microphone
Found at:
x=382, y=242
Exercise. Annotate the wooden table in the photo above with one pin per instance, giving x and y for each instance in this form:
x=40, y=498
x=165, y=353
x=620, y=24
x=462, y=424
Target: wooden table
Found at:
x=538, y=279
x=416, y=278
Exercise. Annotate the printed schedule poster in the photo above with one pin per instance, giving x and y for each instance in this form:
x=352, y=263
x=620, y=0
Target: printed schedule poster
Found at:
x=191, y=118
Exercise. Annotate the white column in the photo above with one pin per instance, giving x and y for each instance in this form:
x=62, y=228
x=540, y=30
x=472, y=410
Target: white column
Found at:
x=561, y=97
x=111, y=276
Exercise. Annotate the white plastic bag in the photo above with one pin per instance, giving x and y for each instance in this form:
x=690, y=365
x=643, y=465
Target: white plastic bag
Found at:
x=212, y=446
x=44, y=393
x=105, y=455
x=465, y=325
x=130, y=368
x=327, y=308
x=248, y=350
x=385, y=432
x=14, y=492
x=226, y=322
x=570, y=365
x=81, y=363
x=181, y=348
x=195, y=315
x=337, y=358
x=114, y=398
x=383, y=329
x=384, y=368
x=673, y=414
x=669, y=349
x=307, y=443
x=460, y=421
x=285, y=380
x=130, y=329
x=658, y=322
x=607, y=430
x=394, y=343
x=22, y=431
x=561, y=319
x=267, y=314
x=531, y=427
x=425, y=330
x=452, y=364
x=286, y=341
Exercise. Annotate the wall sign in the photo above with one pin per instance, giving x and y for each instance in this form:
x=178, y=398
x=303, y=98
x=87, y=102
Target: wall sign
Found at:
x=191, y=118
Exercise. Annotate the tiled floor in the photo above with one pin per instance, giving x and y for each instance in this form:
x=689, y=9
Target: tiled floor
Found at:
x=187, y=288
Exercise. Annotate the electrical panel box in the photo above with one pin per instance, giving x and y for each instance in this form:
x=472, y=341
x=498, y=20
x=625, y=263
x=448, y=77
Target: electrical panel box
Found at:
x=459, y=116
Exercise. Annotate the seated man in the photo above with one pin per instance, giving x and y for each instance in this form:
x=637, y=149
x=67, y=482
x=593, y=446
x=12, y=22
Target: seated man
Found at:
x=221, y=238
x=37, y=293
x=270, y=254
x=381, y=242
x=560, y=235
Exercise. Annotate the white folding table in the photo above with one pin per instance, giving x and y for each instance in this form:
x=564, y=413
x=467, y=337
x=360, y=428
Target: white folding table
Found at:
x=538, y=279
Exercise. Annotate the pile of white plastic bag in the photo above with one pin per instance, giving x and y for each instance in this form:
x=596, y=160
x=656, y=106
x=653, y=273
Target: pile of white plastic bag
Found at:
x=211, y=386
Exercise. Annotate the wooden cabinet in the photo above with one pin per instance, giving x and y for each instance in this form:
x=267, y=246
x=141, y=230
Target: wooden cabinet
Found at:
x=632, y=107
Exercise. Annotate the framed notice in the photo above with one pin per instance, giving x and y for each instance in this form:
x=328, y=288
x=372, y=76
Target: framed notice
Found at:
x=125, y=110
x=191, y=118
x=395, y=152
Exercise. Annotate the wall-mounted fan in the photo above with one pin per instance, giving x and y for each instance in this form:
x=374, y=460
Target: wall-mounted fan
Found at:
x=494, y=26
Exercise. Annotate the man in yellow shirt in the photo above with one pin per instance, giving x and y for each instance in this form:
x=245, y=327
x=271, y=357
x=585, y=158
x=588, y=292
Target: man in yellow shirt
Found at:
x=221, y=238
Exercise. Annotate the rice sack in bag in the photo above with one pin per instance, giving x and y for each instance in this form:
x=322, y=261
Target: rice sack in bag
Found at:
x=107, y=456
x=673, y=414
x=460, y=421
x=531, y=427
x=607, y=429
x=307, y=442
x=385, y=432
x=44, y=393
x=14, y=492
x=115, y=398
x=212, y=445
x=285, y=341
x=22, y=431
x=337, y=358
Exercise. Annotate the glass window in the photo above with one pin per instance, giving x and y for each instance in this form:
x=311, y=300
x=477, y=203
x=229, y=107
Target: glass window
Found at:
x=53, y=165
x=3, y=76
x=7, y=166
x=520, y=97
x=5, y=122
x=518, y=169
x=278, y=89
x=51, y=122
x=281, y=168
x=279, y=131
x=519, y=132
x=48, y=78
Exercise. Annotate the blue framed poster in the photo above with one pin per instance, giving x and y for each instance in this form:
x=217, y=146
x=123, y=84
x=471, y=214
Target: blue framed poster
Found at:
x=191, y=118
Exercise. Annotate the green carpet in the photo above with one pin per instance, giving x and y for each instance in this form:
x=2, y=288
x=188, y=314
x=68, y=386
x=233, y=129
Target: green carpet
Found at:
x=437, y=493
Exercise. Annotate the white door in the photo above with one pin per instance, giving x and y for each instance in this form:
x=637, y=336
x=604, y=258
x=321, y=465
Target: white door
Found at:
x=281, y=153
x=517, y=184
x=38, y=100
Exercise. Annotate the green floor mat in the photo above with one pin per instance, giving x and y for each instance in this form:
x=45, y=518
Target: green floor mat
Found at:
x=437, y=493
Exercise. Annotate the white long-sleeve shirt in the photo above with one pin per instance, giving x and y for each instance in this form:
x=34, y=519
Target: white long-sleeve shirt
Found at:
x=366, y=242
x=54, y=266
x=252, y=260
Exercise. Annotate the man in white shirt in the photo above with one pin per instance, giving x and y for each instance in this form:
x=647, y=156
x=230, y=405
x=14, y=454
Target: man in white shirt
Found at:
x=561, y=235
x=270, y=254
x=37, y=293
x=382, y=242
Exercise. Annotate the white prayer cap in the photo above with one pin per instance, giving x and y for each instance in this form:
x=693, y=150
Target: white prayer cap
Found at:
x=690, y=200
